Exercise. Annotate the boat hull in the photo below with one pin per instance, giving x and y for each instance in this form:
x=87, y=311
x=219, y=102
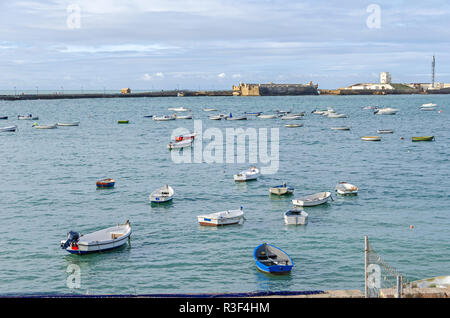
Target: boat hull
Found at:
x=425, y=138
x=281, y=190
x=221, y=218
x=371, y=138
x=296, y=219
x=279, y=269
x=313, y=200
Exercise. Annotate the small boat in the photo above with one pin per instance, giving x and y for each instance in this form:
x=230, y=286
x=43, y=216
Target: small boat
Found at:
x=423, y=138
x=282, y=112
x=180, y=144
x=296, y=216
x=328, y=112
x=336, y=115
x=267, y=116
x=164, y=118
x=183, y=117
x=230, y=117
x=318, y=112
x=106, y=183
x=313, y=200
x=247, y=175
x=271, y=259
x=291, y=117
x=385, y=131
x=3, y=117
x=209, y=109
x=161, y=195
x=27, y=117
x=76, y=123
x=293, y=125
x=217, y=117
x=253, y=113
x=385, y=111
x=148, y=116
x=228, y=217
x=99, y=241
x=8, y=129
x=178, y=109
x=37, y=126
x=123, y=121
x=185, y=137
x=371, y=138
x=428, y=107
x=345, y=188
x=340, y=128
x=281, y=189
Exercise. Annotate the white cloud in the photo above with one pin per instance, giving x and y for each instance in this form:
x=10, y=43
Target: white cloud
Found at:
x=147, y=77
x=236, y=76
x=159, y=74
x=221, y=75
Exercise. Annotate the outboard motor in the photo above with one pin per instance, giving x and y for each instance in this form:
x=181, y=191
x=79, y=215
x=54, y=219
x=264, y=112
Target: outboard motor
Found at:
x=72, y=237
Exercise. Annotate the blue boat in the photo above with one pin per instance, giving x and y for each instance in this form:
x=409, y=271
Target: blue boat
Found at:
x=273, y=260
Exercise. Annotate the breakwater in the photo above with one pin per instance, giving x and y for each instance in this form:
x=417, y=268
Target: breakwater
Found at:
x=173, y=93
x=348, y=92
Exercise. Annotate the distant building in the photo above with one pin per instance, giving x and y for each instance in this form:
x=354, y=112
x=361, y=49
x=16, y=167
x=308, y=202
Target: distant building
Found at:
x=385, y=83
x=364, y=86
x=385, y=78
x=125, y=90
x=272, y=89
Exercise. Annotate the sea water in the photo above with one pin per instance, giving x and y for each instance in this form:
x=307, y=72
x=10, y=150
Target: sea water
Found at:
x=48, y=188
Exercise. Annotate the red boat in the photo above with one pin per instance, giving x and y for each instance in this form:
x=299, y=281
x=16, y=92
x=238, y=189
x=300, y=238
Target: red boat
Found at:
x=106, y=183
x=185, y=137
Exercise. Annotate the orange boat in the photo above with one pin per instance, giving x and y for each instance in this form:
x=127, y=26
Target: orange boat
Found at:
x=106, y=183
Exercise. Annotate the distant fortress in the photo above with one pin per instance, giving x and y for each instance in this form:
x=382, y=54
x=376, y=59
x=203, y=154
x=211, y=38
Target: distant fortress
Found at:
x=272, y=89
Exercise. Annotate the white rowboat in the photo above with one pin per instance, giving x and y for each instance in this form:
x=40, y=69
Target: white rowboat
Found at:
x=8, y=129
x=228, y=217
x=247, y=175
x=344, y=188
x=270, y=116
x=281, y=189
x=180, y=144
x=178, y=109
x=161, y=195
x=164, y=118
x=45, y=126
x=371, y=138
x=386, y=111
x=76, y=123
x=295, y=217
x=313, y=200
x=340, y=128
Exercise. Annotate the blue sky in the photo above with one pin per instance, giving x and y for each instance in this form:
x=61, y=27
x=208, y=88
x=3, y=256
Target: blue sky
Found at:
x=212, y=44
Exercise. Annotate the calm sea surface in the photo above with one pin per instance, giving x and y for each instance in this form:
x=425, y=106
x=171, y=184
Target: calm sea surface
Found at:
x=48, y=188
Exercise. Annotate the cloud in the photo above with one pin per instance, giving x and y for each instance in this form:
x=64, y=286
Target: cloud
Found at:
x=146, y=77
x=221, y=75
x=159, y=74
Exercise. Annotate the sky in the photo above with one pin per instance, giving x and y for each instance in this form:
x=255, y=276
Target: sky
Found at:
x=213, y=44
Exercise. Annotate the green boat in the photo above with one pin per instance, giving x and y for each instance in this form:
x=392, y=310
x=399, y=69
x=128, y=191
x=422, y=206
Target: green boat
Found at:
x=424, y=138
x=122, y=121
